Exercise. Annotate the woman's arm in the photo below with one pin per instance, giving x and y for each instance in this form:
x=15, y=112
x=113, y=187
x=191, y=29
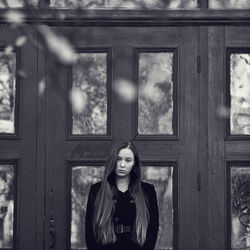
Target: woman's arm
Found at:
x=153, y=226
x=89, y=232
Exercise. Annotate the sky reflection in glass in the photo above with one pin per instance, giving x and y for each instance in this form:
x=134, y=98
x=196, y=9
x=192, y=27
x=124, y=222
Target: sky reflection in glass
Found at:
x=125, y=4
x=240, y=93
x=229, y=4
x=17, y=3
x=155, y=100
x=7, y=92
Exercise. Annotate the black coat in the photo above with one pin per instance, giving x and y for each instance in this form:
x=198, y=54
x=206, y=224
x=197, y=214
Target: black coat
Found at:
x=124, y=214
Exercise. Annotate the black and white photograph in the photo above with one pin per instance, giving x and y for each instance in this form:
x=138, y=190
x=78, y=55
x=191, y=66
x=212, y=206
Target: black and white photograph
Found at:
x=124, y=124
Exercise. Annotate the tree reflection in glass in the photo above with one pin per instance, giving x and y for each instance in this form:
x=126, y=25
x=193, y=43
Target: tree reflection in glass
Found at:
x=240, y=207
x=17, y=3
x=162, y=179
x=125, y=4
x=240, y=93
x=229, y=4
x=6, y=205
x=155, y=101
x=7, y=91
x=89, y=94
x=84, y=176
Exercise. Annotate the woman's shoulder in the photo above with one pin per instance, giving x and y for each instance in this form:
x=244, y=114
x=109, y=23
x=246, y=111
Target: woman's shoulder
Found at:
x=97, y=184
x=147, y=186
x=95, y=187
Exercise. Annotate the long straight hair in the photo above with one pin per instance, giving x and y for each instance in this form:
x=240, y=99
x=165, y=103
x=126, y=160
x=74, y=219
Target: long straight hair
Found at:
x=105, y=204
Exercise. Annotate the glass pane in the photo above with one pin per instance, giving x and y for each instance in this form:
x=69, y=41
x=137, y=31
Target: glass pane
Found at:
x=240, y=208
x=6, y=205
x=82, y=178
x=7, y=92
x=240, y=93
x=127, y=4
x=89, y=94
x=155, y=108
x=162, y=179
x=18, y=3
x=229, y=4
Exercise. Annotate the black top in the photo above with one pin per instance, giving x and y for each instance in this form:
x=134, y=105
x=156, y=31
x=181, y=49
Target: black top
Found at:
x=125, y=213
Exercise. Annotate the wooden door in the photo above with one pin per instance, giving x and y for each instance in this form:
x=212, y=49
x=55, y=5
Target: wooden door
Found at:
x=18, y=127
x=228, y=138
x=128, y=83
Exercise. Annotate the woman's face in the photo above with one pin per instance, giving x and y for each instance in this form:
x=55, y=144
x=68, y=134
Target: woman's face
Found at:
x=125, y=162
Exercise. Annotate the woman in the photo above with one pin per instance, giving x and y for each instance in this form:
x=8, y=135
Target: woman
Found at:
x=122, y=211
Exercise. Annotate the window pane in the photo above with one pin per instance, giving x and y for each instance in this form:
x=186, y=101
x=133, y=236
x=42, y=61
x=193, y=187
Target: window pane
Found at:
x=229, y=4
x=155, y=108
x=127, y=4
x=6, y=205
x=18, y=3
x=240, y=93
x=7, y=92
x=82, y=178
x=89, y=94
x=240, y=207
x=162, y=179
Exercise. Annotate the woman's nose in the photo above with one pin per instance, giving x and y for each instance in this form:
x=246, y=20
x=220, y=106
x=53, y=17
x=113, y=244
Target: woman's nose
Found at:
x=122, y=163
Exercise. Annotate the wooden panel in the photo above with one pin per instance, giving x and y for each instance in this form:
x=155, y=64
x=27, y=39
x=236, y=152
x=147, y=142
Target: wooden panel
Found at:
x=237, y=150
x=157, y=150
x=27, y=168
x=188, y=118
x=97, y=150
x=237, y=36
x=122, y=107
x=56, y=151
x=203, y=137
x=7, y=145
x=216, y=154
x=119, y=36
x=41, y=151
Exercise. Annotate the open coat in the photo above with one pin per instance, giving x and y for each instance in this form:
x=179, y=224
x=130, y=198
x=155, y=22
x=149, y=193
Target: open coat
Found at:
x=123, y=242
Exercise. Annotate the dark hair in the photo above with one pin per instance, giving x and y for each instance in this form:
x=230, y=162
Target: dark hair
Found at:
x=104, y=203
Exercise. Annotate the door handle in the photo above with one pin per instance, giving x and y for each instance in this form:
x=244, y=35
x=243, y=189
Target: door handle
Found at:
x=52, y=233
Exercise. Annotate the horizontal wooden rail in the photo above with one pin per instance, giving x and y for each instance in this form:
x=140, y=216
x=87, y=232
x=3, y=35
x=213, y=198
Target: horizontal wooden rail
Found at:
x=131, y=17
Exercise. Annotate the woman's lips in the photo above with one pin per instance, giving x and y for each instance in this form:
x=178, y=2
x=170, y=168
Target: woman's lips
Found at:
x=121, y=171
